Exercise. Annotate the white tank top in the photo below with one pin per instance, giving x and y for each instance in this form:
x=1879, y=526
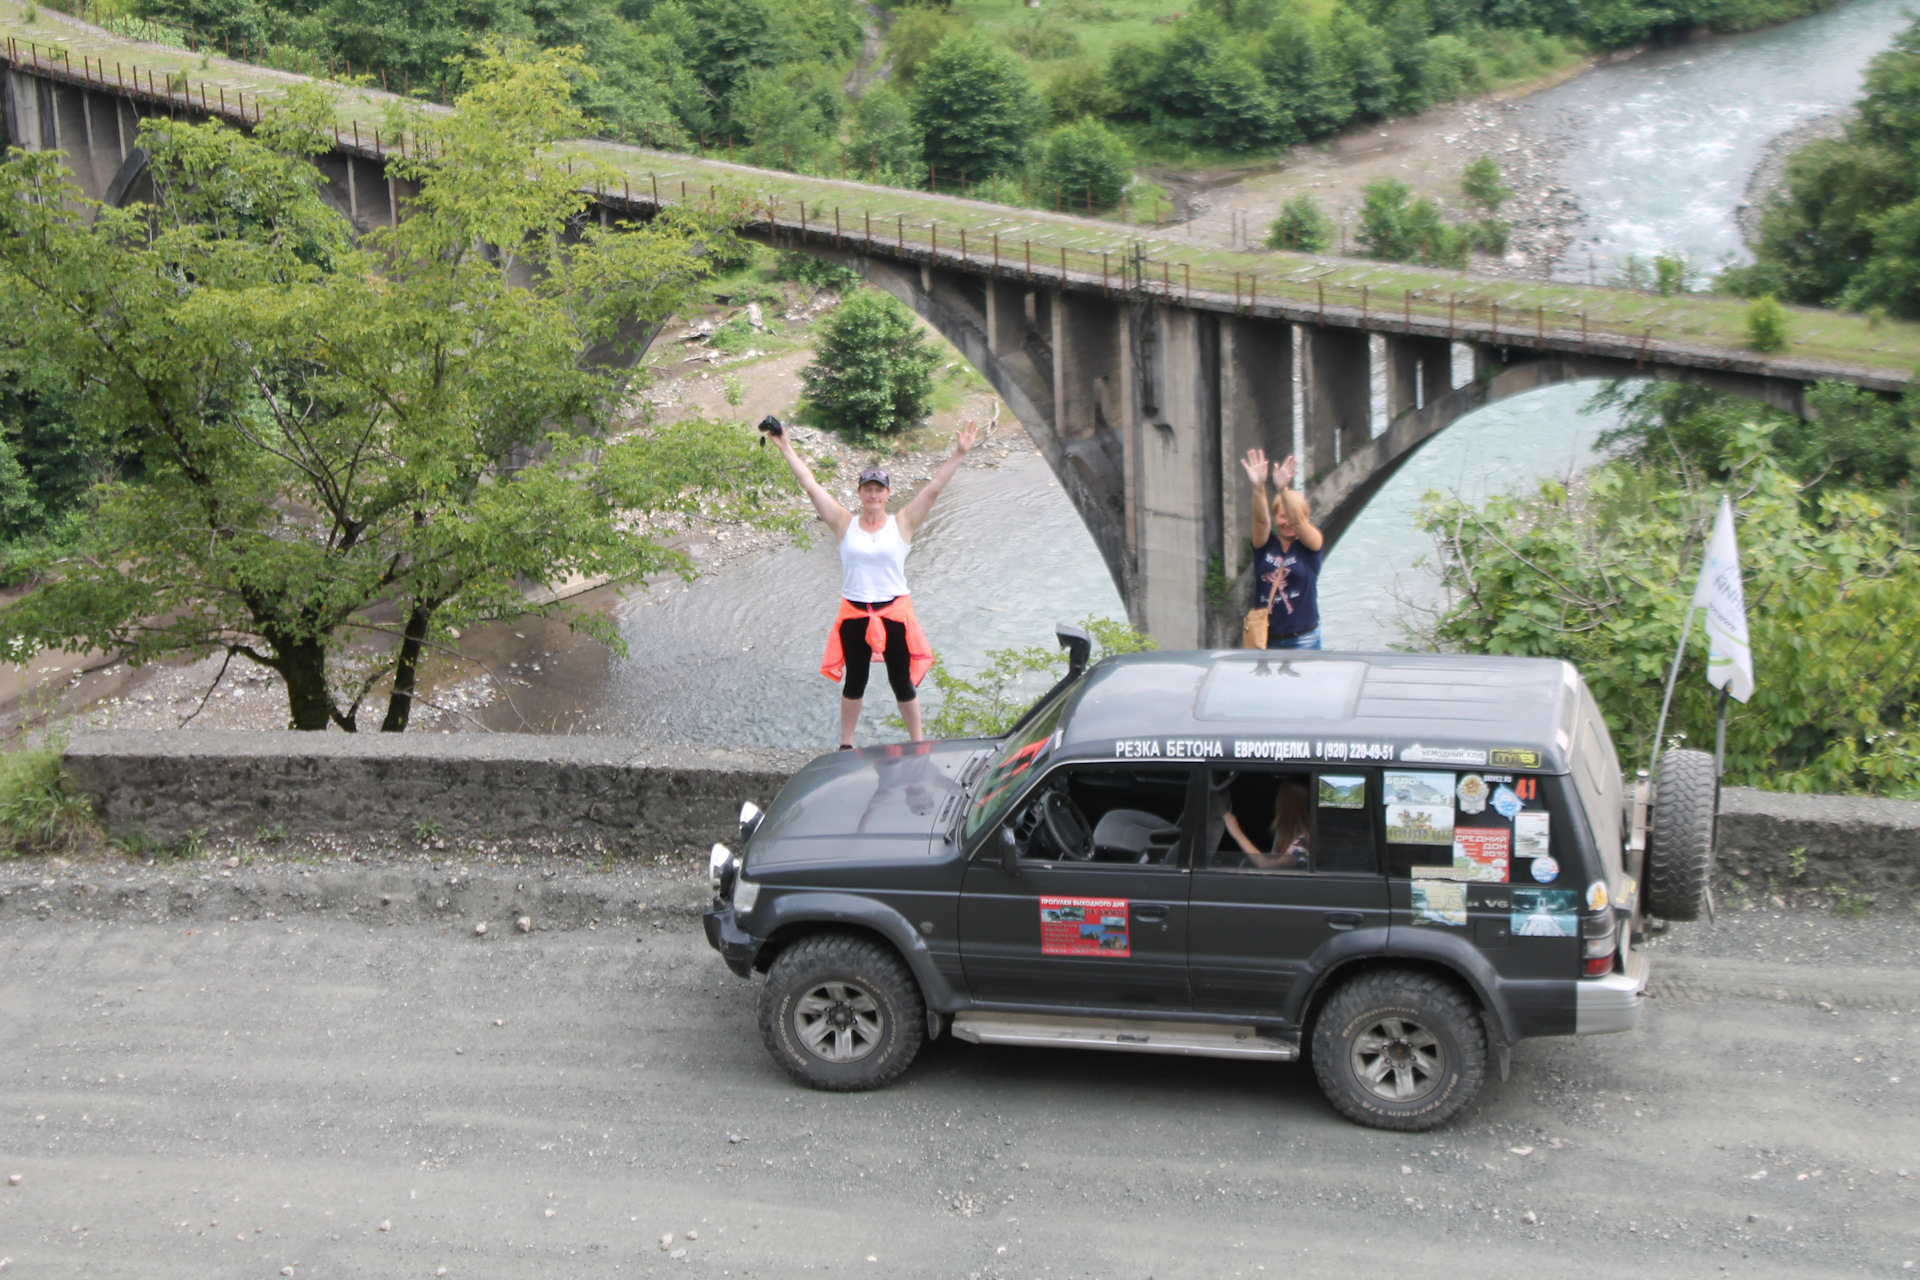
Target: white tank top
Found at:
x=873, y=566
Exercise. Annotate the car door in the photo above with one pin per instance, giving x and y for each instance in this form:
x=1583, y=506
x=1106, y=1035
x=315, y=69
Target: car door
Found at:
x=1259, y=920
x=1094, y=916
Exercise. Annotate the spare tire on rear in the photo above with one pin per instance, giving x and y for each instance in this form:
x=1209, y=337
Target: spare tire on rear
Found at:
x=1680, y=845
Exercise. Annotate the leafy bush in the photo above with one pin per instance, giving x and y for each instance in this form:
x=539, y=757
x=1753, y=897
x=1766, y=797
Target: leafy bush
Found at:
x=1398, y=228
x=804, y=268
x=1480, y=182
x=986, y=705
x=872, y=372
x=1302, y=225
x=1602, y=574
x=1766, y=324
x=1086, y=161
x=36, y=813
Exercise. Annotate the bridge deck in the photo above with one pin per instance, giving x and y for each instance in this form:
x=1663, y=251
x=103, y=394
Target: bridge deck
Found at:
x=1079, y=252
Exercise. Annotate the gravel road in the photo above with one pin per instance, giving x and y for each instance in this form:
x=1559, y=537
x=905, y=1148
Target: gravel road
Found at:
x=349, y=1093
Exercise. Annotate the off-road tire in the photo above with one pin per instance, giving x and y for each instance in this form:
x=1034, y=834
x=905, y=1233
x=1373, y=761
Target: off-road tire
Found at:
x=1447, y=1021
x=1680, y=846
x=843, y=963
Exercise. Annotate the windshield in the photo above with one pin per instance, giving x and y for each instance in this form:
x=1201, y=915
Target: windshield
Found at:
x=1015, y=763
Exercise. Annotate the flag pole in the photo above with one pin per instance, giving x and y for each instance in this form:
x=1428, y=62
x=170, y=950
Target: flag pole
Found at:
x=1660, y=733
x=1720, y=734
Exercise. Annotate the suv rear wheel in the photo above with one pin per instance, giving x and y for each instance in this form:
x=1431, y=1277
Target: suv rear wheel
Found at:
x=1399, y=1049
x=842, y=1012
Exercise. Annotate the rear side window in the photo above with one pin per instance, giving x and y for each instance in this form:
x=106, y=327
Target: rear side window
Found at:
x=1477, y=826
x=1289, y=820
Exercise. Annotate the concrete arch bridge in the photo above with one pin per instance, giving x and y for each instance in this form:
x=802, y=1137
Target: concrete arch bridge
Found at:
x=1142, y=364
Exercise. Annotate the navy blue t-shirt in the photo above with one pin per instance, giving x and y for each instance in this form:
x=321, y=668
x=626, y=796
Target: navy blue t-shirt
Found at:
x=1296, y=609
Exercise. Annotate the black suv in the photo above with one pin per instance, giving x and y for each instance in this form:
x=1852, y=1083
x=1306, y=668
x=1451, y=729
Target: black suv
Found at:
x=1393, y=864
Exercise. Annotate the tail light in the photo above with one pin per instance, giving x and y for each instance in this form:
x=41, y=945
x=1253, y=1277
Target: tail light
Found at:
x=1598, y=937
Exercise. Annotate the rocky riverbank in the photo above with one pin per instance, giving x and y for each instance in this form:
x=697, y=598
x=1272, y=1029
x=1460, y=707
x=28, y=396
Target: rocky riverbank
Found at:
x=1771, y=172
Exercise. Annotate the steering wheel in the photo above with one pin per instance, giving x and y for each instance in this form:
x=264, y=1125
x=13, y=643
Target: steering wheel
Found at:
x=1066, y=827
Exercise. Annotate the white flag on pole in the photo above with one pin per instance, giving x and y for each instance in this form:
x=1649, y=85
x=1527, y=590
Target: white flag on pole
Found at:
x=1729, y=658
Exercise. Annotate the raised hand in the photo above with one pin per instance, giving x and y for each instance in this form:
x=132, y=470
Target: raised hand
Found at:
x=1256, y=465
x=969, y=432
x=1283, y=472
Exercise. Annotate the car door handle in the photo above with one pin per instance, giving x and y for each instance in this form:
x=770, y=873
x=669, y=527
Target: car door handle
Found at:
x=1343, y=920
x=1151, y=913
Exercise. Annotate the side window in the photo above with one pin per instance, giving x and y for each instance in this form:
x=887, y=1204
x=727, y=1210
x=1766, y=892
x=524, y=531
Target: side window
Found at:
x=1103, y=814
x=1289, y=820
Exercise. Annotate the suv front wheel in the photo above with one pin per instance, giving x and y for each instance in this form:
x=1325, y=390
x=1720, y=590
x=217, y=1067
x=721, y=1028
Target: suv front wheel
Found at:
x=1399, y=1049
x=842, y=1012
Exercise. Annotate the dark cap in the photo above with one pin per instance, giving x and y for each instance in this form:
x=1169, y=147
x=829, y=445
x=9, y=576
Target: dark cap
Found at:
x=874, y=475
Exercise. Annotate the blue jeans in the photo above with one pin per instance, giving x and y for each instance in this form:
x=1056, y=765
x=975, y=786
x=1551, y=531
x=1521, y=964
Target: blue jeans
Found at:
x=1299, y=640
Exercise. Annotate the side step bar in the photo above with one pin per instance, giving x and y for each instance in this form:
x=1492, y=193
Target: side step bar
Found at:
x=1192, y=1039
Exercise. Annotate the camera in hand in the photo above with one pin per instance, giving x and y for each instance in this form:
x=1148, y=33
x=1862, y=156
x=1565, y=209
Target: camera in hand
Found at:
x=771, y=426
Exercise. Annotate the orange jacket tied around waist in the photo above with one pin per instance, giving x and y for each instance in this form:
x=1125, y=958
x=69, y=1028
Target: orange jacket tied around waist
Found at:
x=900, y=610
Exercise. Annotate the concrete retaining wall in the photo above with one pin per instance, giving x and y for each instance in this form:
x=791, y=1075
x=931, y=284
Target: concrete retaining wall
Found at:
x=632, y=795
x=1864, y=845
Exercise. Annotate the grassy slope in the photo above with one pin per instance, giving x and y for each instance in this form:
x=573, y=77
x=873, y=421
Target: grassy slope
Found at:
x=1848, y=342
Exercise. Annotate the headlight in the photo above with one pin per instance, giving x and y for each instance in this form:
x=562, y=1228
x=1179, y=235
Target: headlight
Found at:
x=745, y=893
x=750, y=815
x=717, y=863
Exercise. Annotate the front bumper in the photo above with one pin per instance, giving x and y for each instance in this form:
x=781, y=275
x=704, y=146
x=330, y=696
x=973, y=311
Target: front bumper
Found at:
x=736, y=946
x=1611, y=1003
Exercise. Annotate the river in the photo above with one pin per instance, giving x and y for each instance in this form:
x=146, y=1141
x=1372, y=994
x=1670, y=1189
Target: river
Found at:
x=1662, y=149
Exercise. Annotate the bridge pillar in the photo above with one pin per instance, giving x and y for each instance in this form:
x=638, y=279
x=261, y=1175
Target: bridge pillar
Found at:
x=1419, y=371
x=1177, y=465
x=1339, y=395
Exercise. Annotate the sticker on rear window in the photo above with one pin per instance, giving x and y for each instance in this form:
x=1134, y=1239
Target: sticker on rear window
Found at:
x=1084, y=927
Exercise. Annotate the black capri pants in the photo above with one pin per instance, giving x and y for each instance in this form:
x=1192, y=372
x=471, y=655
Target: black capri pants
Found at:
x=859, y=656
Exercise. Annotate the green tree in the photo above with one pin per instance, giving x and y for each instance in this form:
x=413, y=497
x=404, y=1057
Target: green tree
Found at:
x=915, y=34
x=1306, y=79
x=872, y=370
x=1398, y=228
x=1602, y=574
x=244, y=22
x=1081, y=89
x=1845, y=229
x=885, y=138
x=1086, y=161
x=789, y=112
x=1205, y=94
x=1302, y=226
x=976, y=109
x=335, y=435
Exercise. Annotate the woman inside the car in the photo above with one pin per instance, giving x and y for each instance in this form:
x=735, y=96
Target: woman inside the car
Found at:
x=1291, y=816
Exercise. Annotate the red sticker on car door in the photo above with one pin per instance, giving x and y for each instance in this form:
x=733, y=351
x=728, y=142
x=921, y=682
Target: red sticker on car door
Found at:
x=1084, y=927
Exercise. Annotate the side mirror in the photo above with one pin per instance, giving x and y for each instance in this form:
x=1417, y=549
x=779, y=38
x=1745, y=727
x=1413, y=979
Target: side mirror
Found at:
x=1077, y=643
x=1009, y=852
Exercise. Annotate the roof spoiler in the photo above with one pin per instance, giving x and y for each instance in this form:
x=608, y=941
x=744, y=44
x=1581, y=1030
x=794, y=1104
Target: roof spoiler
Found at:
x=1079, y=647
